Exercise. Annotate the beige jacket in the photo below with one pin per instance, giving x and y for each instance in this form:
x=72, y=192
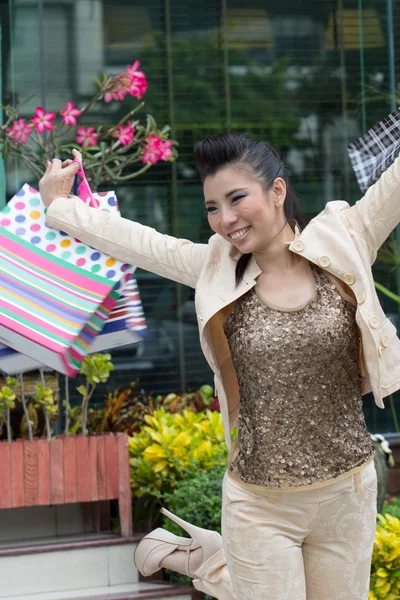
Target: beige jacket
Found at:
x=343, y=240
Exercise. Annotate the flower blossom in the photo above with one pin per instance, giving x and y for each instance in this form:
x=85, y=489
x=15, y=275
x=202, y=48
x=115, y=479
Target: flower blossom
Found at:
x=125, y=134
x=120, y=90
x=131, y=82
x=43, y=120
x=86, y=136
x=165, y=149
x=20, y=131
x=156, y=149
x=137, y=80
x=69, y=113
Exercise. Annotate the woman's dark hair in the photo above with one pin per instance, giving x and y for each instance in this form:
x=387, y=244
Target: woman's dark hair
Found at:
x=260, y=159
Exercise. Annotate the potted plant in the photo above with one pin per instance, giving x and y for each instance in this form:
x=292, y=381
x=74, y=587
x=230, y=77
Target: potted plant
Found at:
x=112, y=153
x=76, y=468
x=62, y=469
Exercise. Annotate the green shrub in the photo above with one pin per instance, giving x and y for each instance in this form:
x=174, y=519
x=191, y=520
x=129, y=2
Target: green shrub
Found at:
x=385, y=571
x=392, y=506
x=171, y=445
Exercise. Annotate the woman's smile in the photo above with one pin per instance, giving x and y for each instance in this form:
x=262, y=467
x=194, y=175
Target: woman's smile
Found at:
x=239, y=234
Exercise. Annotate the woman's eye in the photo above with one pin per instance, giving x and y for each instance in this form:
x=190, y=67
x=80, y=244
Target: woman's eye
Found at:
x=236, y=198
x=211, y=209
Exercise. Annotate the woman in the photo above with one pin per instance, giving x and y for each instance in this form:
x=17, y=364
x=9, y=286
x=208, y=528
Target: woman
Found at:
x=291, y=325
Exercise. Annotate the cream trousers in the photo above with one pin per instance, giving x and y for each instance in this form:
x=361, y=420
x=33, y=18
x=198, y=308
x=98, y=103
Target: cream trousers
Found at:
x=295, y=545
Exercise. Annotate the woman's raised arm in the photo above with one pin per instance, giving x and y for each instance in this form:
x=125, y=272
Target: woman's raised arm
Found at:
x=377, y=213
x=128, y=241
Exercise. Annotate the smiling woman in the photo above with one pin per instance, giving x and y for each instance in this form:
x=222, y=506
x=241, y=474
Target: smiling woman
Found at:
x=248, y=196
x=291, y=326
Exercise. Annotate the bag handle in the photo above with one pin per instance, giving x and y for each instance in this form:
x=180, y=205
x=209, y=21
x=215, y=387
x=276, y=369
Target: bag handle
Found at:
x=85, y=193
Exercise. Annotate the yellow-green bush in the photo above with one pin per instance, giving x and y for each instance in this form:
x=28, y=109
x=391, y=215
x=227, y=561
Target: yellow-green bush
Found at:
x=170, y=445
x=385, y=573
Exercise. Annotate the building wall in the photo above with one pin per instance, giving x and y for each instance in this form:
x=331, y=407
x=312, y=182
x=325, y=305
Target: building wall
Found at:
x=303, y=75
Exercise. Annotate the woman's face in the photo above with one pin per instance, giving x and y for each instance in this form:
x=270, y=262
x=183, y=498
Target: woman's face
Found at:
x=242, y=211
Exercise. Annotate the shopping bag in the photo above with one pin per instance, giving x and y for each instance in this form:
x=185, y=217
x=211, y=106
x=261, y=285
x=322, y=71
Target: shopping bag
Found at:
x=126, y=324
x=372, y=153
x=56, y=293
x=13, y=363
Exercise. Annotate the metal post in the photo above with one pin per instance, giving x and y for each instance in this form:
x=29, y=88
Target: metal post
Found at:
x=344, y=99
x=227, y=89
x=12, y=79
x=2, y=167
x=362, y=65
x=41, y=54
x=392, y=62
x=174, y=185
x=392, y=90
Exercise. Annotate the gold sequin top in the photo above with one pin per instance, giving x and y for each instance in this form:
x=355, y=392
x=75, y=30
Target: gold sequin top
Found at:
x=301, y=420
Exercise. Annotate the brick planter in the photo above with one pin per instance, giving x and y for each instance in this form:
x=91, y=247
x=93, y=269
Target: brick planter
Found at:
x=67, y=470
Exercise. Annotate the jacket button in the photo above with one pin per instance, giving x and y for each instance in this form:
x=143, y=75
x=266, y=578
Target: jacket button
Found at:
x=374, y=322
x=385, y=341
x=349, y=278
x=298, y=246
x=324, y=261
x=361, y=298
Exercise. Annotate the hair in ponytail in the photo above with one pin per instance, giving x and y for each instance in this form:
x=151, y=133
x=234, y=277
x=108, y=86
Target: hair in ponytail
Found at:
x=261, y=159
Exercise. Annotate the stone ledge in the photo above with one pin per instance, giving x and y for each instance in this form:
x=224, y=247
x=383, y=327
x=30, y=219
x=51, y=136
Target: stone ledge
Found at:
x=65, y=543
x=163, y=591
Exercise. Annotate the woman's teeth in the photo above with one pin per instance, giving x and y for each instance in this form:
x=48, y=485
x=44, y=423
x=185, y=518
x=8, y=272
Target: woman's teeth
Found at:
x=239, y=234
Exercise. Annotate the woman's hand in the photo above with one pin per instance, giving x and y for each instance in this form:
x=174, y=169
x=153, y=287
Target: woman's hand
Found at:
x=58, y=178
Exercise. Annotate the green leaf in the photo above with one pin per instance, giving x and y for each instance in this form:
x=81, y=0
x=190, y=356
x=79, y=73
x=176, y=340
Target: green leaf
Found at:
x=82, y=390
x=110, y=173
x=103, y=148
x=387, y=292
x=151, y=124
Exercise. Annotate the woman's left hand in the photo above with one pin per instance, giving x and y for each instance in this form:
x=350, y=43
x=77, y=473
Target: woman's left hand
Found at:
x=57, y=180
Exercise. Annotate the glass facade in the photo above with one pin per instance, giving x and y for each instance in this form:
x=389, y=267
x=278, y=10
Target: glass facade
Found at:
x=306, y=75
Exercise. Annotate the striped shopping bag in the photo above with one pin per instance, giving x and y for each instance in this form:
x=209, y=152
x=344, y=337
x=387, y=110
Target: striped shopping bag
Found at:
x=56, y=293
x=125, y=325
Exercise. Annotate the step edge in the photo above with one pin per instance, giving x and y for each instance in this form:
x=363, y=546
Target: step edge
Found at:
x=164, y=591
x=62, y=546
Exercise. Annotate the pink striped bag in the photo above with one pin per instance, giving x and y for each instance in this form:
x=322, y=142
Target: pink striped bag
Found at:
x=56, y=293
x=125, y=325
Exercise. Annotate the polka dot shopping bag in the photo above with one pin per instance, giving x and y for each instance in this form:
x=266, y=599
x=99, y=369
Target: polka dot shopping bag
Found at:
x=56, y=293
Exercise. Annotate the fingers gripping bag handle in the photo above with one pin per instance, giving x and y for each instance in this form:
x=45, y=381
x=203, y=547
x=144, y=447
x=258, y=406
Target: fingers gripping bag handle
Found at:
x=84, y=193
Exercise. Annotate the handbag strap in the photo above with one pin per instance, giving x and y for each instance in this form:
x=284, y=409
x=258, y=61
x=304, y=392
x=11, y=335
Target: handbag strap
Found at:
x=85, y=193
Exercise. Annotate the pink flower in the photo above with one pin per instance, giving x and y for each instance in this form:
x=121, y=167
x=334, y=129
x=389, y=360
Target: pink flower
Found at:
x=137, y=80
x=70, y=113
x=156, y=149
x=125, y=134
x=131, y=69
x=151, y=155
x=20, y=131
x=43, y=120
x=131, y=82
x=86, y=137
x=137, y=87
x=120, y=90
x=118, y=94
x=166, y=151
